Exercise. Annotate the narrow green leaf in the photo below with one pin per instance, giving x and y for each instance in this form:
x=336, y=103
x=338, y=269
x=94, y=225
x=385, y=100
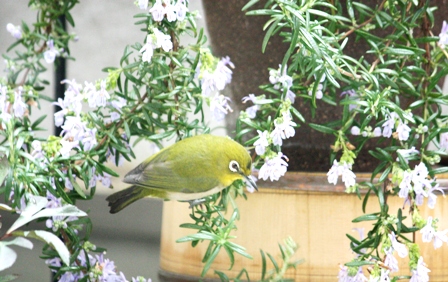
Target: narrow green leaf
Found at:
x=210, y=260
x=322, y=128
x=359, y=263
x=366, y=217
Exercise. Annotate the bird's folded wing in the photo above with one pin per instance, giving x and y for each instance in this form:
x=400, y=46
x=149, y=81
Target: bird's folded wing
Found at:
x=166, y=176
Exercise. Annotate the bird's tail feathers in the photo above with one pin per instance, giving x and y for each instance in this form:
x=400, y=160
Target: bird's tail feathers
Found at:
x=121, y=199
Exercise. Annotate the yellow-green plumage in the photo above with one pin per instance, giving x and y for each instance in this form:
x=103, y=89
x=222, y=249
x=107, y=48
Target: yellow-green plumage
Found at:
x=190, y=169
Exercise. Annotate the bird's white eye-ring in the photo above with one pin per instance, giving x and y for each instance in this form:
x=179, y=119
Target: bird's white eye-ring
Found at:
x=234, y=166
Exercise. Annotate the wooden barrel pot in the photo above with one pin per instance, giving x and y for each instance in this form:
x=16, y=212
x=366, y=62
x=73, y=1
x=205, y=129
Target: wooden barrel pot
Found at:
x=317, y=215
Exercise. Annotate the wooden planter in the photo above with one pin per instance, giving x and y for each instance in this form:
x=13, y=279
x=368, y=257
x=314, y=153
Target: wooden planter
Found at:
x=317, y=215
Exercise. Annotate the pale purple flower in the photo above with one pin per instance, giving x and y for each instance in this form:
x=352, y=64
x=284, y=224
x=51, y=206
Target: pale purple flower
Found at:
x=72, y=101
x=89, y=139
x=216, y=80
x=102, y=95
x=51, y=53
x=16, y=31
x=261, y=143
x=111, y=153
x=105, y=179
x=432, y=197
x=390, y=261
x=389, y=125
x=219, y=106
x=397, y=246
x=319, y=91
x=291, y=96
x=343, y=275
x=93, y=178
x=5, y=116
x=273, y=168
x=440, y=237
x=407, y=153
x=118, y=103
x=162, y=40
x=37, y=152
x=54, y=263
x=355, y=130
x=359, y=276
x=19, y=106
x=223, y=72
x=403, y=131
x=428, y=231
x=147, y=50
x=405, y=185
x=348, y=177
x=143, y=4
x=344, y=170
x=421, y=183
x=53, y=202
x=277, y=135
x=251, y=111
x=181, y=10
x=158, y=11
x=288, y=125
x=443, y=36
x=444, y=141
x=333, y=173
x=352, y=96
x=67, y=147
x=171, y=12
x=59, y=117
x=384, y=276
x=280, y=79
x=59, y=222
x=284, y=128
x=283, y=82
x=68, y=184
x=68, y=277
x=421, y=273
x=106, y=266
x=377, y=132
x=73, y=128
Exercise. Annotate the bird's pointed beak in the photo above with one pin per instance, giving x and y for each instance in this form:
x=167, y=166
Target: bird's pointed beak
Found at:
x=250, y=182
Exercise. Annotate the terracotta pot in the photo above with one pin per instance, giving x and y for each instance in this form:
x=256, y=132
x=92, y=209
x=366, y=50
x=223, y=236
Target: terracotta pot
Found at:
x=317, y=215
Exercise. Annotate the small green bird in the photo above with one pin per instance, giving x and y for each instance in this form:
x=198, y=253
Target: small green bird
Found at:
x=188, y=170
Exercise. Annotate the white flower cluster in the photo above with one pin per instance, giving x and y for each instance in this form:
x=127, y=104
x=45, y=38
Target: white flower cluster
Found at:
x=76, y=131
x=15, y=31
x=393, y=121
x=215, y=80
x=417, y=181
x=344, y=170
x=401, y=128
x=275, y=166
x=51, y=53
x=7, y=109
x=155, y=40
x=282, y=81
x=173, y=10
x=319, y=90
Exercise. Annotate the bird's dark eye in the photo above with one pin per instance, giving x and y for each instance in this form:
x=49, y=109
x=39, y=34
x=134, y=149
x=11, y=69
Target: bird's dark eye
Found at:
x=234, y=166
